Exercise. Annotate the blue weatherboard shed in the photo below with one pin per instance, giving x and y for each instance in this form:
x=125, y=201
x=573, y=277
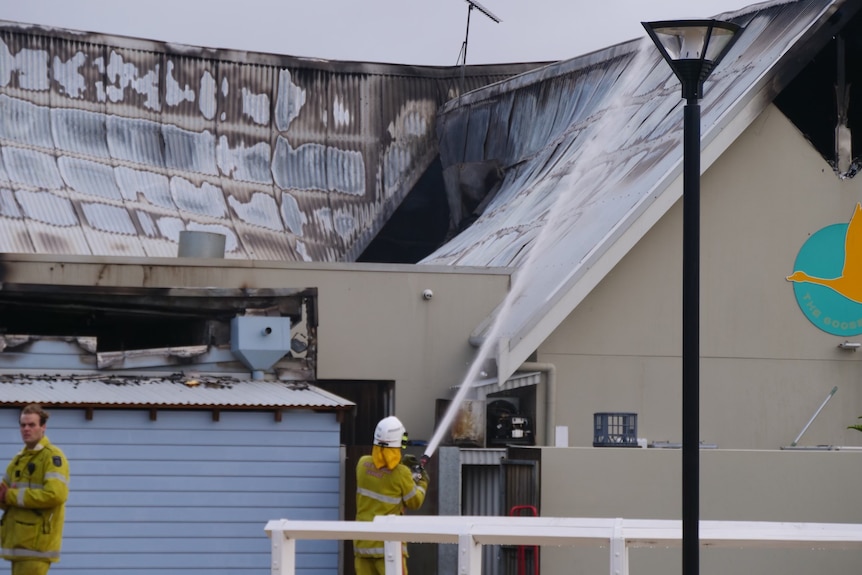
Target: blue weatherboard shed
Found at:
x=170, y=490
x=188, y=417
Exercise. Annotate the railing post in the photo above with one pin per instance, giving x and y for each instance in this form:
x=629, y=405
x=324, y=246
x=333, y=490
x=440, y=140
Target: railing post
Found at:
x=394, y=558
x=283, y=554
x=619, y=550
x=469, y=555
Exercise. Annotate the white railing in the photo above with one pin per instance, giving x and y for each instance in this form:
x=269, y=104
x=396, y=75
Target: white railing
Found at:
x=470, y=533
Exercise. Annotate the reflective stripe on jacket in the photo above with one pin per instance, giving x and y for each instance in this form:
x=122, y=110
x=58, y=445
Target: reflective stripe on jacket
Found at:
x=35, y=504
x=383, y=491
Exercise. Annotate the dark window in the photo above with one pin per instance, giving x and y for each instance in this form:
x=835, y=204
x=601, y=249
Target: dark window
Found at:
x=417, y=227
x=811, y=100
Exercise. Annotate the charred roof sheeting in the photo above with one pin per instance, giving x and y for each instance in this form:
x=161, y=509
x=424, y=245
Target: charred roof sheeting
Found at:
x=164, y=391
x=587, y=145
x=112, y=146
x=549, y=130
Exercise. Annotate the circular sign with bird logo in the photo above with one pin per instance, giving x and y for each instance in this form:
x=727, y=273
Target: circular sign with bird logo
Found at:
x=827, y=277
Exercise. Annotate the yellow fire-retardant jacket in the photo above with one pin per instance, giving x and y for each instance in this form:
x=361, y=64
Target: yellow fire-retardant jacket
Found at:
x=381, y=491
x=35, y=504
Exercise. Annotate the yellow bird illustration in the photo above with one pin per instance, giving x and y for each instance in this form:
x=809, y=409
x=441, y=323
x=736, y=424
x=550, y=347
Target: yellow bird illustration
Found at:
x=849, y=283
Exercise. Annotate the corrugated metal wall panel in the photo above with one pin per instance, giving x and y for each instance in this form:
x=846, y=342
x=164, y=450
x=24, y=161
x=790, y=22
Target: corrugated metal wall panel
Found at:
x=24, y=123
x=350, y=181
x=240, y=100
x=15, y=237
x=27, y=65
x=130, y=80
x=482, y=486
x=314, y=244
x=411, y=109
x=185, y=493
x=190, y=143
x=483, y=456
x=188, y=93
x=184, y=138
x=50, y=223
x=136, y=142
x=521, y=489
x=299, y=162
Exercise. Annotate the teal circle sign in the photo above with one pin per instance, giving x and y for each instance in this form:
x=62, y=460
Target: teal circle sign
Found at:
x=821, y=258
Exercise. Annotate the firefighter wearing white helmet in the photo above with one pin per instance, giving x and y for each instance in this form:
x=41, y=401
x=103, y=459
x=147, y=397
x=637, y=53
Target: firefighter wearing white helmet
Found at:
x=389, y=432
x=384, y=486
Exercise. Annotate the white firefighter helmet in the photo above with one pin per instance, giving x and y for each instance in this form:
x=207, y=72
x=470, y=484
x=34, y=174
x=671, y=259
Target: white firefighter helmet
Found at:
x=390, y=432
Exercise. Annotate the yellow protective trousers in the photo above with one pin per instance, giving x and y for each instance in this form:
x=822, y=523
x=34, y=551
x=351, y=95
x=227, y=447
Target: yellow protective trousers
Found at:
x=372, y=565
x=30, y=567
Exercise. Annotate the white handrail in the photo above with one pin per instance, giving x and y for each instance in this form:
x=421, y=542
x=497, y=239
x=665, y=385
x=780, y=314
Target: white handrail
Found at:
x=470, y=533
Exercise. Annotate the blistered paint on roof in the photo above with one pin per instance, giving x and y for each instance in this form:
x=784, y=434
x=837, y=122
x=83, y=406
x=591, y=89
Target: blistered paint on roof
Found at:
x=112, y=146
x=589, y=146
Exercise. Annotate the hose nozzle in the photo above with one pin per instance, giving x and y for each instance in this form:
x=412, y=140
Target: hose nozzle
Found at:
x=419, y=469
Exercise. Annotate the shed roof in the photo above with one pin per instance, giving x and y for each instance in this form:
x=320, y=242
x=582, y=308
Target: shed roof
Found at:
x=591, y=150
x=159, y=391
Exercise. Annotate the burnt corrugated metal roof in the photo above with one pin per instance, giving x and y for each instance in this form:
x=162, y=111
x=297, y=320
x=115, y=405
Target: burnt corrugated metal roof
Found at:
x=589, y=149
x=95, y=390
x=112, y=146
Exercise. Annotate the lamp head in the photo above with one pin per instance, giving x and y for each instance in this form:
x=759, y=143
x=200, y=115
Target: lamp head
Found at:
x=692, y=48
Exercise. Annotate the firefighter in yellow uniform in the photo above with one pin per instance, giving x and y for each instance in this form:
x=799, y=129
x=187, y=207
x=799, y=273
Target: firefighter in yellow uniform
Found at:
x=384, y=486
x=33, y=498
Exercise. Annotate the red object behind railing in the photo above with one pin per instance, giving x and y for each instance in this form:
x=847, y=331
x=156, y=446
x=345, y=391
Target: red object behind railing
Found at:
x=519, y=510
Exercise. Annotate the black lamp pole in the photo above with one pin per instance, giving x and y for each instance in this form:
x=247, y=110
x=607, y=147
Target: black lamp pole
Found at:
x=691, y=337
x=693, y=49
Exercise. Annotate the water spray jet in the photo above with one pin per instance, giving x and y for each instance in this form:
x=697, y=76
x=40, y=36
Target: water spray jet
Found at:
x=598, y=141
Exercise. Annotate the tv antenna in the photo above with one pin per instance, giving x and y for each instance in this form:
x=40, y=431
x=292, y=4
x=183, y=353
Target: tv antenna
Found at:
x=462, y=57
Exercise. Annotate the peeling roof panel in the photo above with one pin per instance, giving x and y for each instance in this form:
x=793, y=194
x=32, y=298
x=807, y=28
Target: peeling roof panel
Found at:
x=589, y=144
x=157, y=391
x=112, y=146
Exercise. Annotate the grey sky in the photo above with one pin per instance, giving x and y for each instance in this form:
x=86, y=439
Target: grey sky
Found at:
x=402, y=31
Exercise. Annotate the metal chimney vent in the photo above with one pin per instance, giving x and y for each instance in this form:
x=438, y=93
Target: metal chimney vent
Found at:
x=201, y=245
x=259, y=341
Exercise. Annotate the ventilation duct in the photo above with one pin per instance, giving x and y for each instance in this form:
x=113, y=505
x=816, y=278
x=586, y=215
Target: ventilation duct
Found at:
x=259, y=341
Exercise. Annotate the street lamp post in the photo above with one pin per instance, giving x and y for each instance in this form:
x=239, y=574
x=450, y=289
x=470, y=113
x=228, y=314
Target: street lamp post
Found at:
x=693, y=49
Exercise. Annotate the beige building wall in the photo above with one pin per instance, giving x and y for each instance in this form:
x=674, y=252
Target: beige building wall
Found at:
x=736, y=485
x=765, y=368
x=373, y=321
